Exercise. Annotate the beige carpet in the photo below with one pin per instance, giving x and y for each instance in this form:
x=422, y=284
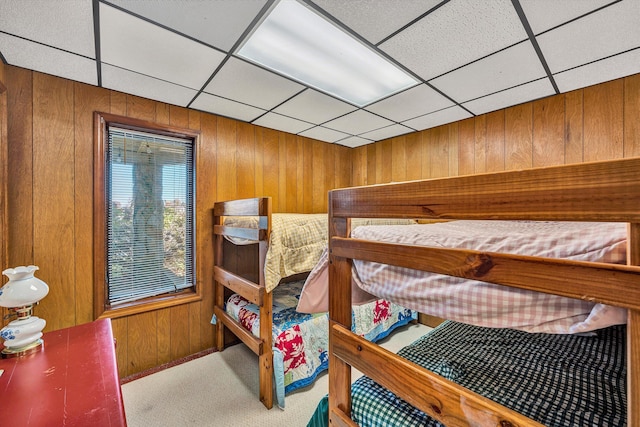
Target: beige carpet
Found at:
x=221, y=390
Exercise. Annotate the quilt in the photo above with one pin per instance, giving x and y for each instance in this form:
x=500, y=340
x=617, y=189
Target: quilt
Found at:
x=303, y=339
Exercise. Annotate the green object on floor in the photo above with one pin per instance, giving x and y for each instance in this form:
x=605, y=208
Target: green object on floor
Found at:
x=320, y=417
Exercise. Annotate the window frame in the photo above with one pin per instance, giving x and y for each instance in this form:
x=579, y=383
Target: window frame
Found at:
x=102, y=309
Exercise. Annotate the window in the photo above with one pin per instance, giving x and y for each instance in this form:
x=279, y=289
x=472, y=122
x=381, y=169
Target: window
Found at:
x=144, y=216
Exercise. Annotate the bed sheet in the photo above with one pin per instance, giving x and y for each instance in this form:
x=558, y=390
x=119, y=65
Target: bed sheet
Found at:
x=303, y=339
x=485, y=304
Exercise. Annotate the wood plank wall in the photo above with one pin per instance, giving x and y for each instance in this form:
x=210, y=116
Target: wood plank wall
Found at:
x=595, y=123
x=50, y=167
x=3, y=178
x=50, y=172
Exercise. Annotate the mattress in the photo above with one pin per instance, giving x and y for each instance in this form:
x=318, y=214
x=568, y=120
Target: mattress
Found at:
x=296, y=241
x=486, y=304
x=557, y=380
x=303, y=339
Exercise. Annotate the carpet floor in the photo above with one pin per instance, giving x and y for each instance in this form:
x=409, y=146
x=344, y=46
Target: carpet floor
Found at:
x=221, y=390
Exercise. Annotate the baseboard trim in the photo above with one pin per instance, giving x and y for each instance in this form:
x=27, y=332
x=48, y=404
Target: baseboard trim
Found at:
x=167, y=365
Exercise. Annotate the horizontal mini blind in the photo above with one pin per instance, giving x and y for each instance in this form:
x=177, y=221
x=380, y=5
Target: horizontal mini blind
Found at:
x=150, y=215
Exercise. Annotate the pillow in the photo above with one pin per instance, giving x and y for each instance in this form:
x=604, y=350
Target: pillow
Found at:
x=314, y=297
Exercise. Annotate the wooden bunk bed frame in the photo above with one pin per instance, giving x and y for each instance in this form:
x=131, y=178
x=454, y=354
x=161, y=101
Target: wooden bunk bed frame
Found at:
x=249, y=283
x=600, y=191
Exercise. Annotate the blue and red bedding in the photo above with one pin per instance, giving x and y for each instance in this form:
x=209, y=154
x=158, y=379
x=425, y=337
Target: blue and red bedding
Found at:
x=301, y=341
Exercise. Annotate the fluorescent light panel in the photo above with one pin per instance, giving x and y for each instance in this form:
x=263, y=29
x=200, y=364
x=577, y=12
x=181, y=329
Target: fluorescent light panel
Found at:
x=295, y=41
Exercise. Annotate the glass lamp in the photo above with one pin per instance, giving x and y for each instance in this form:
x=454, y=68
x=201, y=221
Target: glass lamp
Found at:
x=23, y=335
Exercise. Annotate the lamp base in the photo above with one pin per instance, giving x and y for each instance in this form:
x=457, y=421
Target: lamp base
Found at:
x=26, y=350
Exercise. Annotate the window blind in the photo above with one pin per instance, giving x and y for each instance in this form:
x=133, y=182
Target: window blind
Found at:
x=150, y=215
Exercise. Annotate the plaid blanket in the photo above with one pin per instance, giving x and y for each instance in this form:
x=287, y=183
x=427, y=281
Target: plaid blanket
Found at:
x=296, y=241
x=485, y=304
x=557, y=380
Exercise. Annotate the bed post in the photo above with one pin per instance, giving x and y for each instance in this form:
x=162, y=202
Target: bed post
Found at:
x=339, y=314
x=633, y=337
x=266, y=318
x=218, y=288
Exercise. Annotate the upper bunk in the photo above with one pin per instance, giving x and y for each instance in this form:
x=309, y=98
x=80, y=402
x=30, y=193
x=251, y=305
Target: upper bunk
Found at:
x=590, y=192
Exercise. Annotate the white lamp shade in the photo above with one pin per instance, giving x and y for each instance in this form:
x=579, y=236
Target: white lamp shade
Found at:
x=23, y=288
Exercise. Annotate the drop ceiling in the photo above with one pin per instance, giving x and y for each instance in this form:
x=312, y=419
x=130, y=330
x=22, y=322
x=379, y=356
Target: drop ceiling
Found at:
x=469, y=57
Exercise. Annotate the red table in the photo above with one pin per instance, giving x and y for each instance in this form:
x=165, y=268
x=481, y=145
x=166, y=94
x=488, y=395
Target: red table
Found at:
x=73, y=381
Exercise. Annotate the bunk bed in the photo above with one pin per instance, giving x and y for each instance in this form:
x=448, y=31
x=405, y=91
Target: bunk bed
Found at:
x=256, y=254
x=432, y=382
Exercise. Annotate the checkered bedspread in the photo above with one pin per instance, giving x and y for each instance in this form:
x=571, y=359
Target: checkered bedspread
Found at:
x=557, y=380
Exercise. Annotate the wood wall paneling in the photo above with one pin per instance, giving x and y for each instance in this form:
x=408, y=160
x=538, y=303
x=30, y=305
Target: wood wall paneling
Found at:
x=548, y=135
x=495, y=143
x=53, y=197
x=49, y=169
x=466, y=146
x=603, y=121
x=595, y=123
x=4, y=217
x=398, y=159
x=205, y=198
x=413, y=154
x=307, y=175
x=632, y=116
x=518, y=137
x=19, y=84
x=87, y=99
x=574, y=126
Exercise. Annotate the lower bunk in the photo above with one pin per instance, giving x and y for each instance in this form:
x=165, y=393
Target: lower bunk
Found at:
x=301, y=341
x=556, y=380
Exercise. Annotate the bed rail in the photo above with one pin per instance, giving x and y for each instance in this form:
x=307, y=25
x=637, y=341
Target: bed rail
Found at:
x=598, y=191
x=260, y=207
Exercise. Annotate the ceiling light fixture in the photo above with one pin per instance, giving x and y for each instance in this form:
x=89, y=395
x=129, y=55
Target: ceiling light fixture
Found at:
x=295, y=41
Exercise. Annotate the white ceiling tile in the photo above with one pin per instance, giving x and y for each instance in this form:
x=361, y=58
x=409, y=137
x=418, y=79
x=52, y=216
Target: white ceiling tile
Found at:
x=511, y=67
x=545, y=14
x=251, y=85
x=283, y=123
x=411, y=103
x=514, y=96
x=147, y=87
x=354, y=141
x=37, y=57
x=314, y=107
x=137, y=45
x=67, y=25
x=609, y=31
x=217, y=23
x=323, y=134
x=226, y=107
x=456, y=34
x=600, y=71
x=375, y=20
x=438, y=118
x=386, y=132
x=358, y=122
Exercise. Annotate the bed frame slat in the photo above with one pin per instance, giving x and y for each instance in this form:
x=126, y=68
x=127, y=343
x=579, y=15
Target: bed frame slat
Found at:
x=253, y=342
x=574, y=279
x=599, y=191
x=242, y=233
x=257, y=206
x=249, y=290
